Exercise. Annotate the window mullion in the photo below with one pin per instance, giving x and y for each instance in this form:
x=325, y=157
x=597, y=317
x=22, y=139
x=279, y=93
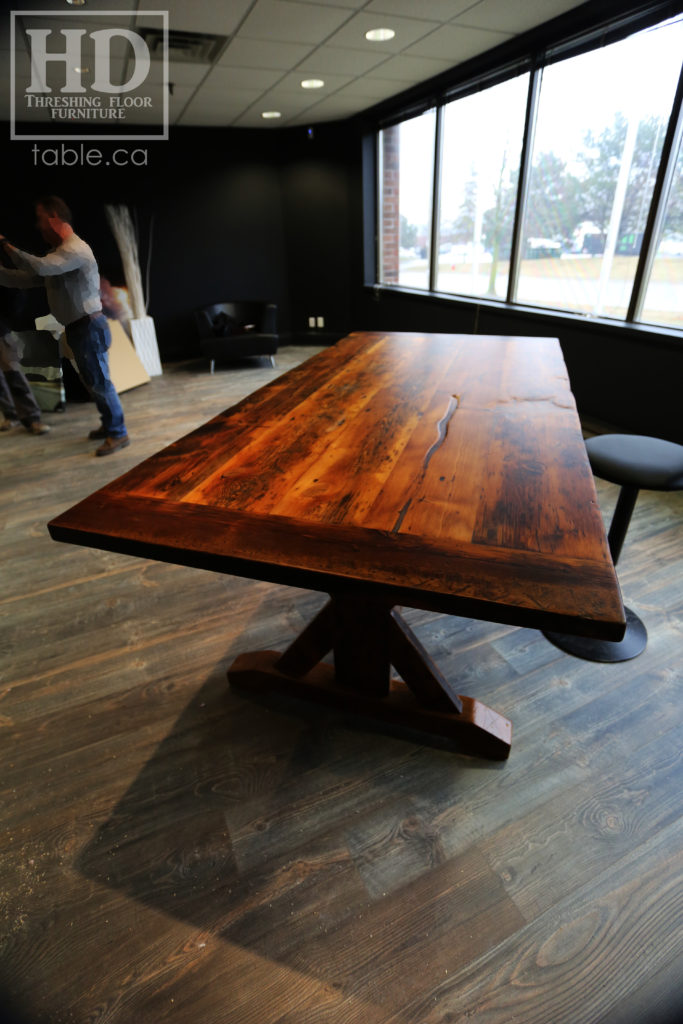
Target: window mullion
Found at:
x=660, y=195
x=436, y=202
x=523, y=182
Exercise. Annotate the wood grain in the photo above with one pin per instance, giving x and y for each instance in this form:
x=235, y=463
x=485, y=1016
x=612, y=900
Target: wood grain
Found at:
x=301, y=499
x=172, y=853
x=444, y=471
x=346, y=483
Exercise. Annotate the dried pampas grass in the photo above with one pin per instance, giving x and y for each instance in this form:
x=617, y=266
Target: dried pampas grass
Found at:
x=124, y=232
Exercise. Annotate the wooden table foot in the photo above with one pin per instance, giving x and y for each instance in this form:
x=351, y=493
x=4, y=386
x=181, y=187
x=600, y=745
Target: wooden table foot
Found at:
x=477, y=729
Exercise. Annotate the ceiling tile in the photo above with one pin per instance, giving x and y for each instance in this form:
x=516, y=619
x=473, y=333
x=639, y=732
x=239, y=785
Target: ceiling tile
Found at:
x=252, y=119
x=513, y=18
x=197, y=117
x=59, y=7
x=141, y=115
x=6, y=36
x=241, y=78
x=292, y=22
x=217, y=108
x=436, y=10
x=180, y=73
x=288, y=105
x=178, y=101
x=261, y=53
x=22, y=66
x=456, y=43
x=278, y=99
x=408, y=69
x=63, y=16
x=217, y=99
x=336, y=60
x=215, y=17
x=276, y=43
x=21, y=113
x=372, y=89
x=292, y=83
x=87, y=25
x=408, y=30
x=332, y=109
x=351, y=4
x=54, y=75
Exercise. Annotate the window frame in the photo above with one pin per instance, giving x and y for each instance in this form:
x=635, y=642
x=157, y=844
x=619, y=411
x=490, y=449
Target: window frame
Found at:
x=533, y=62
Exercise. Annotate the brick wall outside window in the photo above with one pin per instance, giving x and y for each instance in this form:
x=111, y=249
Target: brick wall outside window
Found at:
x=390, y=223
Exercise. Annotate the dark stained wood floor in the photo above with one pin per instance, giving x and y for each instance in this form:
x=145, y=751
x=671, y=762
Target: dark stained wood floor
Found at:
x=171, y=851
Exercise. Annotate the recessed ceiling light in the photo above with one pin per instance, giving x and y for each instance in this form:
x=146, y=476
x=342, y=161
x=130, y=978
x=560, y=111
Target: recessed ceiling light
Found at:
x=312, y=83
x=76, y=3
x=270, y=114
x=380, y=35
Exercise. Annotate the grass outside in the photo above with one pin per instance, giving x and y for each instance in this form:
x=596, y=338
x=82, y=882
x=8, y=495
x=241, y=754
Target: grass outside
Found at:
x=666, y=272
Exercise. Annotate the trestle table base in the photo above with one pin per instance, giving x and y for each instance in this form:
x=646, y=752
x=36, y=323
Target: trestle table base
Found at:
x=367, y=638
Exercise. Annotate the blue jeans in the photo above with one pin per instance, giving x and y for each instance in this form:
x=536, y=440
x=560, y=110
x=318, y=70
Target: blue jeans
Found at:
x=17, y=401
x=89, y=341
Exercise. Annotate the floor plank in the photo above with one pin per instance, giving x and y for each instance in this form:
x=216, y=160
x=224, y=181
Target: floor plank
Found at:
x=584, y=955
x=173, y=851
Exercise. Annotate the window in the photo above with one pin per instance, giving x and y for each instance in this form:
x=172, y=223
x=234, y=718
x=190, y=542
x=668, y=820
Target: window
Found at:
x=406, y=186
x=601, y=124
x=577, y=243
x=482, y=139
x=663, y=302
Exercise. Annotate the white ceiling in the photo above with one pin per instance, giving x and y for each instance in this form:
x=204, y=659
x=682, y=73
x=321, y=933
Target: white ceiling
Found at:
x=274, y=44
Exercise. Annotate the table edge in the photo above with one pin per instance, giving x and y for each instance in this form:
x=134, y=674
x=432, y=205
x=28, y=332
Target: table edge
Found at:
x=286, y=551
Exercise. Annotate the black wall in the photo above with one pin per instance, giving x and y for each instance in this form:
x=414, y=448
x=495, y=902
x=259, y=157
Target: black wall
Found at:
x=207, y=202
x=278, y=215
x=318, y=178
x=228, y=214
x=218, y=231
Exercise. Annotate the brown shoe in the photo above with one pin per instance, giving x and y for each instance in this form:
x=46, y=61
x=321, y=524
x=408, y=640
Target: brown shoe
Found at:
x=8, y=425
x=112, y=444
x=36, y=427
x=96, y=435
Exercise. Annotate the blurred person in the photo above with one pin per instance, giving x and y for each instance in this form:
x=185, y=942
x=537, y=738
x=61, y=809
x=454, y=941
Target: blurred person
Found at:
x=17, y=401
x=115, y=304
x=71, y=280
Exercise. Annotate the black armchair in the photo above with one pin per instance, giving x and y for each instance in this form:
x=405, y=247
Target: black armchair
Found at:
x=234, y=330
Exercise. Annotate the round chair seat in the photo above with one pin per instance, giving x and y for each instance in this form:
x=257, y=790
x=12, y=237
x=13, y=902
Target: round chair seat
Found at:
x=633, y=462
x=644, y=462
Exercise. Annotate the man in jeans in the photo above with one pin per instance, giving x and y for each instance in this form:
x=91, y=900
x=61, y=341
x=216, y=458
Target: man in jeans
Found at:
x=71, y=280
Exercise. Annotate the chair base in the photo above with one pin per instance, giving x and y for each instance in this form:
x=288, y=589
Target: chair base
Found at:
x=633, y=643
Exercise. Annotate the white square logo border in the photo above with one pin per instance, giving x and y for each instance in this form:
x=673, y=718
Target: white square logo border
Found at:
x=161, y=136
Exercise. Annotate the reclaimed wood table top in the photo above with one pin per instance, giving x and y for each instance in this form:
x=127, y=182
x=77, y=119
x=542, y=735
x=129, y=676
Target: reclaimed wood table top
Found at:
x=445, y=472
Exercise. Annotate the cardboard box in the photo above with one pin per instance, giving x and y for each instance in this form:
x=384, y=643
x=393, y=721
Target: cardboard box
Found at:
x=125, y=368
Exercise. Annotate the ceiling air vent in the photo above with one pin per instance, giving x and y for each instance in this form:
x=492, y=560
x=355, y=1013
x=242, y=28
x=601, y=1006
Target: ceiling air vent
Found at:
x=189, y=47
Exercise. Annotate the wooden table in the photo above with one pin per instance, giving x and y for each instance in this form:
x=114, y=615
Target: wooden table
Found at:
x=444, y=472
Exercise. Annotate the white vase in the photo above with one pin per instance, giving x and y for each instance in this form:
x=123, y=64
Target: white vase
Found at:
x=145, y=341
